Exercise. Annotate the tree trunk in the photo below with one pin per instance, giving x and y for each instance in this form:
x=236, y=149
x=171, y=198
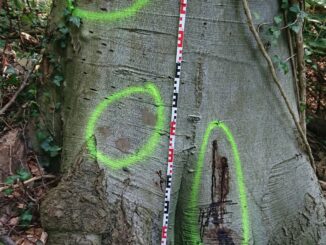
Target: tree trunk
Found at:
x=224, y=78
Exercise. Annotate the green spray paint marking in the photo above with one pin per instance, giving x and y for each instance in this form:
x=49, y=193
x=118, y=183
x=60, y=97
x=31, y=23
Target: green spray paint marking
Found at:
x=193, y=216
x=110, y=16
x=148, y=148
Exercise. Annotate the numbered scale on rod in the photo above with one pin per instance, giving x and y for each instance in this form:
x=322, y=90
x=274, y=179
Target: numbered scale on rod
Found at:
x=173, y=123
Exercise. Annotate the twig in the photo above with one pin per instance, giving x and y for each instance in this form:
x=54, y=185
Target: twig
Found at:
x=22, y=86
x=4, y=121
x=277, y=81
x=10, y=160
x=301, y=72
x=28, y=181
x=293, y=61
x=290, y=58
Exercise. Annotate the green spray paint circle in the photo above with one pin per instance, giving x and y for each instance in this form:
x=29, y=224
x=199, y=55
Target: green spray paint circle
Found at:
x=192, y=218
x=148, y=148
x=110, y=16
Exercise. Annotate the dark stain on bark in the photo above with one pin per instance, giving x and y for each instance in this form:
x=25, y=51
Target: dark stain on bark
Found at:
x=123, y=144
x=148, y=117
x=213, y=228
x=104, y=131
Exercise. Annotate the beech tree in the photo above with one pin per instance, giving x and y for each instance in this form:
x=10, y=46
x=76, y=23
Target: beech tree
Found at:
x=241, y=175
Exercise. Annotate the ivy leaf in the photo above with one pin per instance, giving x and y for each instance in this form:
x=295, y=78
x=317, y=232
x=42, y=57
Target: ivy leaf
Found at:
x=40, y=135
x=49, y=146
x=57, y=80
x=8, y=191
x=295, y=8
x=274, y=34
x=25, y=218
x=10, y=70
x=66, y=12
x=11, y=179
x=303, y=107
x=2, y=43
x=302, y=15
x=63, y=29
x=281, y=65
x=54, y=150
x=75, y=20
x=23, y=174
x=296, y=28
x=285, y=4
x=278, y=19
x=57, y=105
x=256, y=15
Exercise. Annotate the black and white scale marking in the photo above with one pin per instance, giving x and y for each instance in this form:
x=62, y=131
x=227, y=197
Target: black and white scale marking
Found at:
x=173, y=123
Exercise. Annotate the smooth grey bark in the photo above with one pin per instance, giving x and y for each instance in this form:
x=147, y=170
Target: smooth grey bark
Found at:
x=223, y=78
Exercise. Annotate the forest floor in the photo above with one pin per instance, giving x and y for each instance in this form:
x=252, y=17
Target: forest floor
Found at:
x=25, y=176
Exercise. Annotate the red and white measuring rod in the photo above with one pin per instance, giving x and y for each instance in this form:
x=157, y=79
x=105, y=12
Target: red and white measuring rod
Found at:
x=173, y=123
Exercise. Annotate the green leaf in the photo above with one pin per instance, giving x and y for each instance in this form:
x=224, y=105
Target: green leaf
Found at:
x=284, y=66
x=281, y=65
x=302, y=15
x=40, y=135
x=18, y=4
x=13, y=80
x=8, y=191
x=296, y=28
x=320, y=43
x=2, y=43
x=23, y=174
x=49, y=146
x=54, y=150
x=57, y=80
x=57, y=105
x=285, y=4
x=63, y=30
x=10, y=70
x=307, y=52
x=274, y=34
x=295, y=8
x=66, y=12
x=278, y=19
x=302, y=107
x=256, y=15
x=63, y=44
x=11, y=179
x=25, y=218
x=75, y=20
x=277, y=34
